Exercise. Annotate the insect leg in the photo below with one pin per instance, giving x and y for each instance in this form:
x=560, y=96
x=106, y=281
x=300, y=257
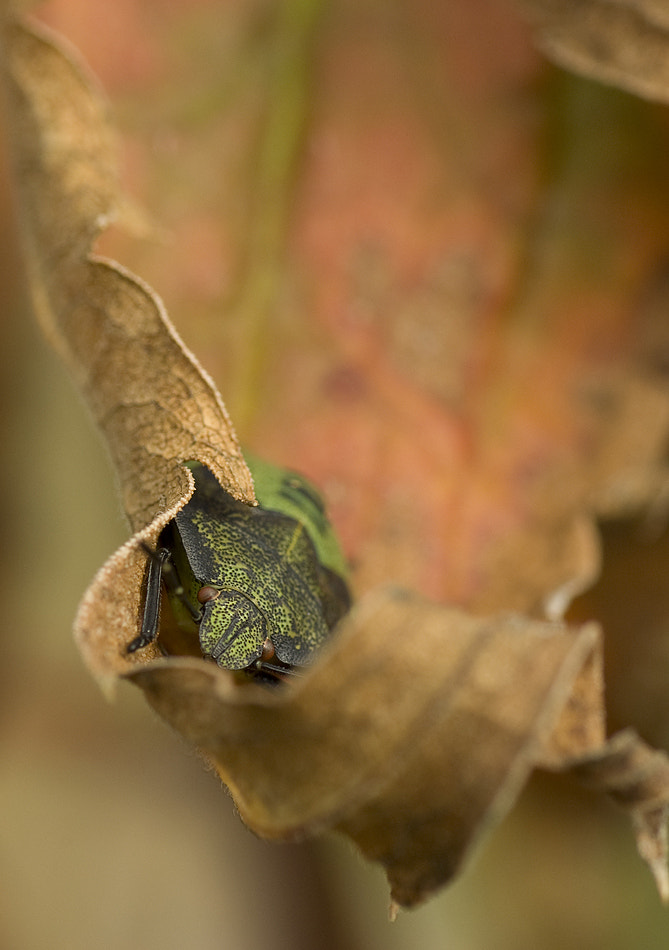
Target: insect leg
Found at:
x=149, y=629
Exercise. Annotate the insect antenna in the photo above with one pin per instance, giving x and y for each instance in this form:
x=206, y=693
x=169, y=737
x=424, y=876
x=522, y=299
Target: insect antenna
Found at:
x=289, y=671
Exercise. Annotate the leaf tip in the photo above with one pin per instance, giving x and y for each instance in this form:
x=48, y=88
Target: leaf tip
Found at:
x=108, y=686
x=651, y=837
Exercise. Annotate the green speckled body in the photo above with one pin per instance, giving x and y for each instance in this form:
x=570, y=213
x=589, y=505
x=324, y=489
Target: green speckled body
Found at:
x=279, y=574
x=290, y=493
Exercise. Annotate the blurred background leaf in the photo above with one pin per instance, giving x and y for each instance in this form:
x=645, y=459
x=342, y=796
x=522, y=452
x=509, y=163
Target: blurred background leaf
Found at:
x=624, y=43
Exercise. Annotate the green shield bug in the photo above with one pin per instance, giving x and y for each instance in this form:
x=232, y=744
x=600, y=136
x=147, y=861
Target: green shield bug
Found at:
x=263, y=585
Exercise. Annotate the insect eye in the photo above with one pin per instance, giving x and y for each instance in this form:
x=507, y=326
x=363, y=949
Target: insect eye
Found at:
x=268, y=652
x=205, y=594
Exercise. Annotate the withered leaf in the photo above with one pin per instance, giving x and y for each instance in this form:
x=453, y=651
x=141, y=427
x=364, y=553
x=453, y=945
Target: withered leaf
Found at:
x=412, y=735
x=479, y=453
x=419, y=724
x=625, y=43
x=635, y=776
x=154, y=405
x=415, y=734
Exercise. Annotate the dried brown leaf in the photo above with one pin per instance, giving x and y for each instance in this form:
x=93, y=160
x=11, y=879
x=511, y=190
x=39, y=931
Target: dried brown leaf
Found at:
x=452, y=342
x=413, y=734
x=621, y=42
x=152, y=402
x=636, y=777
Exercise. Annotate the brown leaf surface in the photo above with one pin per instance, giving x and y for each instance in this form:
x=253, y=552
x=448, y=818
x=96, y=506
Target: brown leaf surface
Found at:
x=625, y=43
x=636, y=777
x=458, y=306
x=419, y=726
x=413, y=735
x=152, y=402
